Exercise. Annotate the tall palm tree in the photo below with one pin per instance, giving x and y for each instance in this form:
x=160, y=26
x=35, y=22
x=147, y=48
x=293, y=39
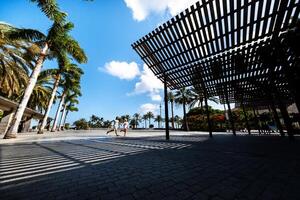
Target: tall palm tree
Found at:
x=16, y=60
x=145, y=118
x=41, y=92
x=171, y=100
x=64, y=69
x=57, y=41
x=158, y=119
x=137, y=118
x=149, y=115
x=72, y=98
x=197, y=98
x=71, y=107
x=71, y=83
x=183, y=97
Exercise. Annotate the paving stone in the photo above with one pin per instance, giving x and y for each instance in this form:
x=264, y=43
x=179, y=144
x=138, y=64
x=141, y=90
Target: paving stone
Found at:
x=247, y=167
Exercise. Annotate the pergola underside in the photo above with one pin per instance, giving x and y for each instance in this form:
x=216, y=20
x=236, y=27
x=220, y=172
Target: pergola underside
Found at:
x=213, y=46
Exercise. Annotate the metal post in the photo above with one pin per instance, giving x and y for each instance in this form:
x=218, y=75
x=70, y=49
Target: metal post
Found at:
x=230, y=115
x=257, y=120
x=276, y=118
x=160, y=116
x=246, y=118
x=166, y=110
x=207, y=115
x=287, y=120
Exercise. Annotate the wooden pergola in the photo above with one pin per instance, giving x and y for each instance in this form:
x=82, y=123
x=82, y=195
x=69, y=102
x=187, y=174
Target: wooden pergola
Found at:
x=238, y=50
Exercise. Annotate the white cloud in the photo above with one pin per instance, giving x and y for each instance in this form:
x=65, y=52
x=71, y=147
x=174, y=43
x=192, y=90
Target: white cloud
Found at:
x=156, y=97
x=122, y=70
x=149, y=84
x=149, y=107
x=141, y=9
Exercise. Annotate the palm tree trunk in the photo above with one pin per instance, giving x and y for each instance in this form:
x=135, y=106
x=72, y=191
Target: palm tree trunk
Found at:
x=61, y=127
x=172, y=110
x=13, y=130
x=186, y=127
x=65, y=119
x=58, y=112
x=55, y=87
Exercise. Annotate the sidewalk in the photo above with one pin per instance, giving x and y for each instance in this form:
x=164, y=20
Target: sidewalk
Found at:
x=89, y=134
x=91, y=165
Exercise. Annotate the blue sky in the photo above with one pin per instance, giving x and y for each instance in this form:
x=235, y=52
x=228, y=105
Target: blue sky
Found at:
x=115, y=81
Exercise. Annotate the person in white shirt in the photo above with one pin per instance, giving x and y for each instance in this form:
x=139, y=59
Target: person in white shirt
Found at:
x=114, y=127
x=125, y=127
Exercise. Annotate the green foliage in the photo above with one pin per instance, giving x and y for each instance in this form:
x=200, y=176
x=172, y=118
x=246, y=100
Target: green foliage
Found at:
x=96, y=122
x=134, y=123
x=51, y=9
x=197, y=119
x=106, y=123
x=67, y=126
x=81, y=124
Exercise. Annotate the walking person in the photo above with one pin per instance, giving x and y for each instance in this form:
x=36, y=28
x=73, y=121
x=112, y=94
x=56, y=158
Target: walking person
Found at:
x=114, y=127
x=125, y=127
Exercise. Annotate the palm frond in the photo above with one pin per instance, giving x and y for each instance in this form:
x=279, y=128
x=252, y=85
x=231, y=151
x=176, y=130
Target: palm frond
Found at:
x=24, y=34
x=51, y=9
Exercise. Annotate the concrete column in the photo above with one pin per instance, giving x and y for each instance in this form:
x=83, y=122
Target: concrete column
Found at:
x=5, y=121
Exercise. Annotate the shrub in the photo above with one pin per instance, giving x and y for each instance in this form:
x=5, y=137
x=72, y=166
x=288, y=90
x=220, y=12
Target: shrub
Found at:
x=81, y=124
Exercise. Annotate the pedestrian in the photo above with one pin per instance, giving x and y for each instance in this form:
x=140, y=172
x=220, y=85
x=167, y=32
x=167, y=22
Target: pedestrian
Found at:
x=125, y=127
x=114, y=127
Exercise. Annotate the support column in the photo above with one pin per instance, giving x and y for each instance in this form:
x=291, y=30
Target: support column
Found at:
x=230, y=115
x=26, y=126
x=287, y=120
x=276, y=118
x=246, y=118
x=166, y=110
x=207, y=115
x=5, y=121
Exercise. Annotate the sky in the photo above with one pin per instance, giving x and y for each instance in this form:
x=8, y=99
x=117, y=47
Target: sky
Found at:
x=116, y=81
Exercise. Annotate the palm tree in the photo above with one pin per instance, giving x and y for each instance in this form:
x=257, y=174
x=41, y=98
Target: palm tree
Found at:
x=178, y=120
x=137, y=118
x=145, y=117
x=171, y=100
x=41, y=92
x=16, y=60
x=183, y=96
x=149, y=115
x=197, y=98
x=64, y=69
x=127, y=117
x=71, y=107
x=96, y=122
x=158, y=119
x=123, y=117
x=70, y=98
x=71, y=83
x=56, y=42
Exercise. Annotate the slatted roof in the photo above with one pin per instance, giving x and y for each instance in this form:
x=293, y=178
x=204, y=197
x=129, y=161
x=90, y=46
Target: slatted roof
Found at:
x=215, y=45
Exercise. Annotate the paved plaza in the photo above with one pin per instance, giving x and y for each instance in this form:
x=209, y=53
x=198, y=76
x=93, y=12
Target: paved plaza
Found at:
x=91, y=165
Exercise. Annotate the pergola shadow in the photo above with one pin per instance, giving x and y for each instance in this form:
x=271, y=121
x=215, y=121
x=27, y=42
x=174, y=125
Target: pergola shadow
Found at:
x=226, y=166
